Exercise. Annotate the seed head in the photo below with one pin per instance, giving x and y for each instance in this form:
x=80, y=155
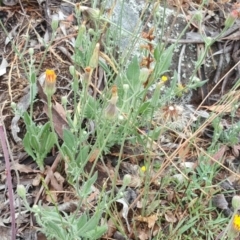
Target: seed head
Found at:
x=111, y=110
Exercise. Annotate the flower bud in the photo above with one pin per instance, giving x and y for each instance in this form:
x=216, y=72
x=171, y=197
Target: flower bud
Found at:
x=72, y=70
x=120, y=118
x=198, y=16
x=208, y=41
x=54, y=25
x=21, y=191
x=93, y=13
x=125, y=87
x=127, y=179
x=31, y=51
x=236, y=202
x=231, y=19
x=144, y=73
x=91, y=31
x=13, y=106
x=36, y=209
x=94, y=58
x=81, y=33
x=50, y=82
x=64, y=100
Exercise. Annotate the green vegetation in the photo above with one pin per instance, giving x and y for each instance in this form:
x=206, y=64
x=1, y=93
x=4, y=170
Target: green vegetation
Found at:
x=124, y=106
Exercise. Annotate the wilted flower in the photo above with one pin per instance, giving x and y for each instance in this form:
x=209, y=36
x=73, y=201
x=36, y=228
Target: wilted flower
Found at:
x=111, y=109
x=175, y=116
x=87, y=74
x=50, y=82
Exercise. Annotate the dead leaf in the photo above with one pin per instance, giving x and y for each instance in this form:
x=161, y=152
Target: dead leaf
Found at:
x=94, y=195
x=189, y=165
x=5, y=233
x=51, y=196
x=169, y=216
x=156, y=230
x=183, y=152
x=235, y=150
x=70, y=18
x=219, y=155
x=24, y=168
x=37, y=180
x=220, y=201
x=136, y=182
x=94, y=154
x=125, y=211
x=61, y=111
x=151, y=220
x=219, y=108
x=59, y=118
x=142, y=235
x=60, y=179
x=111, y=228
x=55, y=185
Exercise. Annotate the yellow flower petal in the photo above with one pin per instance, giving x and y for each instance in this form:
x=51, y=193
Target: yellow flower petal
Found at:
x=236, y=222
x=50, y=76
x=50, y=82
x=143, y=168
x=164, y=78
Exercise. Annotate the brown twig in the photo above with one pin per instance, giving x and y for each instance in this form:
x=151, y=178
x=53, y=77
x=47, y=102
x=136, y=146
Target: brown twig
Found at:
x=9, y=179
x=47, y=178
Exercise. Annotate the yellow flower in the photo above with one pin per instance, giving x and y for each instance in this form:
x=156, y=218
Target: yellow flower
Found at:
x=236, y=222
x=50, y=82
x=143, y=168
x=164, y=78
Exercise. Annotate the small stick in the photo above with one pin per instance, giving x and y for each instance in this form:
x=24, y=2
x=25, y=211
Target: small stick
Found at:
x=9, y=179
x=47, y=178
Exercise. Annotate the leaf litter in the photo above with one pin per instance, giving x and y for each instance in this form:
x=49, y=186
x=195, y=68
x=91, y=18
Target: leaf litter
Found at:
x=55, y=177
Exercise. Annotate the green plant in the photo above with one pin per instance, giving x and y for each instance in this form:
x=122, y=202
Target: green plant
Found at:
x=137, y=107
x=38, y=140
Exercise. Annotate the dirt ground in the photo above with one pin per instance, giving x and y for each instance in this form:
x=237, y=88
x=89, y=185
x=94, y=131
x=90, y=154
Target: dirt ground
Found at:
x=24, y=24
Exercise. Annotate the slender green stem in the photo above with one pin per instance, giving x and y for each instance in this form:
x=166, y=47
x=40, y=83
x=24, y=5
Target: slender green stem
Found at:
x=49, y=103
